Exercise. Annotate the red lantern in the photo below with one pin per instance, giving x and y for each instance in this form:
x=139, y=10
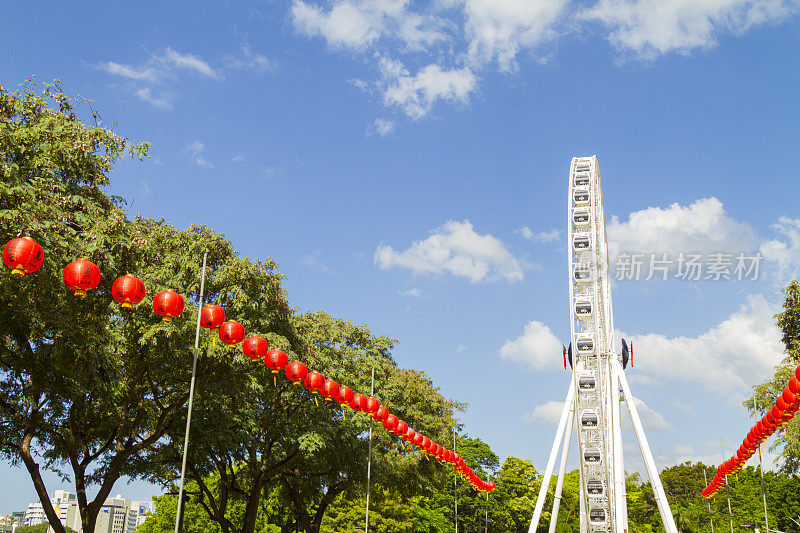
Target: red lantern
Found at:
x=797, y=372
x=23, y=256
x=231, y=333
x=168, y=304
x=401, y=429
x=381, y=414
x=296, y=371
x=429, y=449
x=424, y=443
x=81, y=276
x=255, y=348
x=417, y=441
x=372, y=406
x=211, y=316
x=314, y=382
x=789, y=397
x=344, y=396
x=794, y=385
x=275, y=360
x=409, y=436
x=330, y=389
x=358, y=402
x=391, y=422
x=128, y=290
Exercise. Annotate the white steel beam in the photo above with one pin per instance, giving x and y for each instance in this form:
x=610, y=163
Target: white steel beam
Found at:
x=537, y=512
x=652, y=471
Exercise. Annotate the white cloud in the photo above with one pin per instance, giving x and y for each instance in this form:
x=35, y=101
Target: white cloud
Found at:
x=160, y=66
x=546, y=412
x=156, y=70
x=313, y=261
x=189, y=62
x=784, y=251
x=161, y=102
x=456, y=248
x=252, y=60
x=652, y=420
x=648, y=28
x=384, y=127
x=144, y=73
x=416, y=94
x=499, y=29
x=359, y=24
x=646, y=381
x=542, y=236
x=537, y=347
x=729, y=358
x=196, y=149
x=413, y=293
x=701, y=227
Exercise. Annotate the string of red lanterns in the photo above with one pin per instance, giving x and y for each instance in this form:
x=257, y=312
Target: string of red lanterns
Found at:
x=24, y=256
x=781, y=413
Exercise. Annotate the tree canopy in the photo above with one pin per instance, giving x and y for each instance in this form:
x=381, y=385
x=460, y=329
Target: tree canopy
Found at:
x=93, y=391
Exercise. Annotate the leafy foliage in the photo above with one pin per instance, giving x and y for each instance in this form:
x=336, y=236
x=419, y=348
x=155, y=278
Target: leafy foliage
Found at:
x=786, y=440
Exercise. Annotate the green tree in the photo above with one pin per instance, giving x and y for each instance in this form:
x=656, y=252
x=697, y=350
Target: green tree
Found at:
x=88, y=389
x=786, y=440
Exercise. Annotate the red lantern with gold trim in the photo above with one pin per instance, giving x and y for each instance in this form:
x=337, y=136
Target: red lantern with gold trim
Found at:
x=128, y=291
x=314, y=381
x=231, y=333
x=168, y=304
x=329, y=390
x=344, y=395
x=390, y=422
x=81, y=276
x=358, y=402
x=211, y=316
x=381, y=414
x=401, y=429
x=296, y=372
x=372, y=406
x=275, y=360
x=255, y=348
x=23, y=256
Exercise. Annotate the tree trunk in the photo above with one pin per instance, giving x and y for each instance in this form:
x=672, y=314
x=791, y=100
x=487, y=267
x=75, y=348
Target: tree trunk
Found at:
x=38, y=483
x=253, y=500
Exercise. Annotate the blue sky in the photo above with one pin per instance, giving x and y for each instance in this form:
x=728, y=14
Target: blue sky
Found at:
x=406, y=164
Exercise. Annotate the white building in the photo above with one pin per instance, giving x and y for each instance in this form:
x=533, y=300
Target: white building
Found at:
x=118, y=514
x=61, y=501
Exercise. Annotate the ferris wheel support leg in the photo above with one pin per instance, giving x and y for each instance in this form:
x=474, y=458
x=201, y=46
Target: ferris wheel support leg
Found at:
x=537, y=512
x=562, y=468
x=620, y=500
x=652, y=471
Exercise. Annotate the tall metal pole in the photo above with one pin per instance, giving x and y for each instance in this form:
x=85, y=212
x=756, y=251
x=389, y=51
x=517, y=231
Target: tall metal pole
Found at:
x=179, y=513
x=455, y=481
x=486, y=516
x=727, y=488
x=369, y=457
x=763, y=492
x=710, y=516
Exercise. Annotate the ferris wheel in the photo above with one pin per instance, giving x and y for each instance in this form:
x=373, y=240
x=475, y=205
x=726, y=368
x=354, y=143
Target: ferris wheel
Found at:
x=598, y=385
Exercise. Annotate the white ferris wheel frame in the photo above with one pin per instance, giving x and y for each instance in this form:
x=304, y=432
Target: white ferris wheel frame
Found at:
x=601, y=403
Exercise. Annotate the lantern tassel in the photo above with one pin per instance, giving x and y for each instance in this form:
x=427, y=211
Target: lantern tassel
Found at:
x=344, y=415
x=274, y=381
x=315, y=400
